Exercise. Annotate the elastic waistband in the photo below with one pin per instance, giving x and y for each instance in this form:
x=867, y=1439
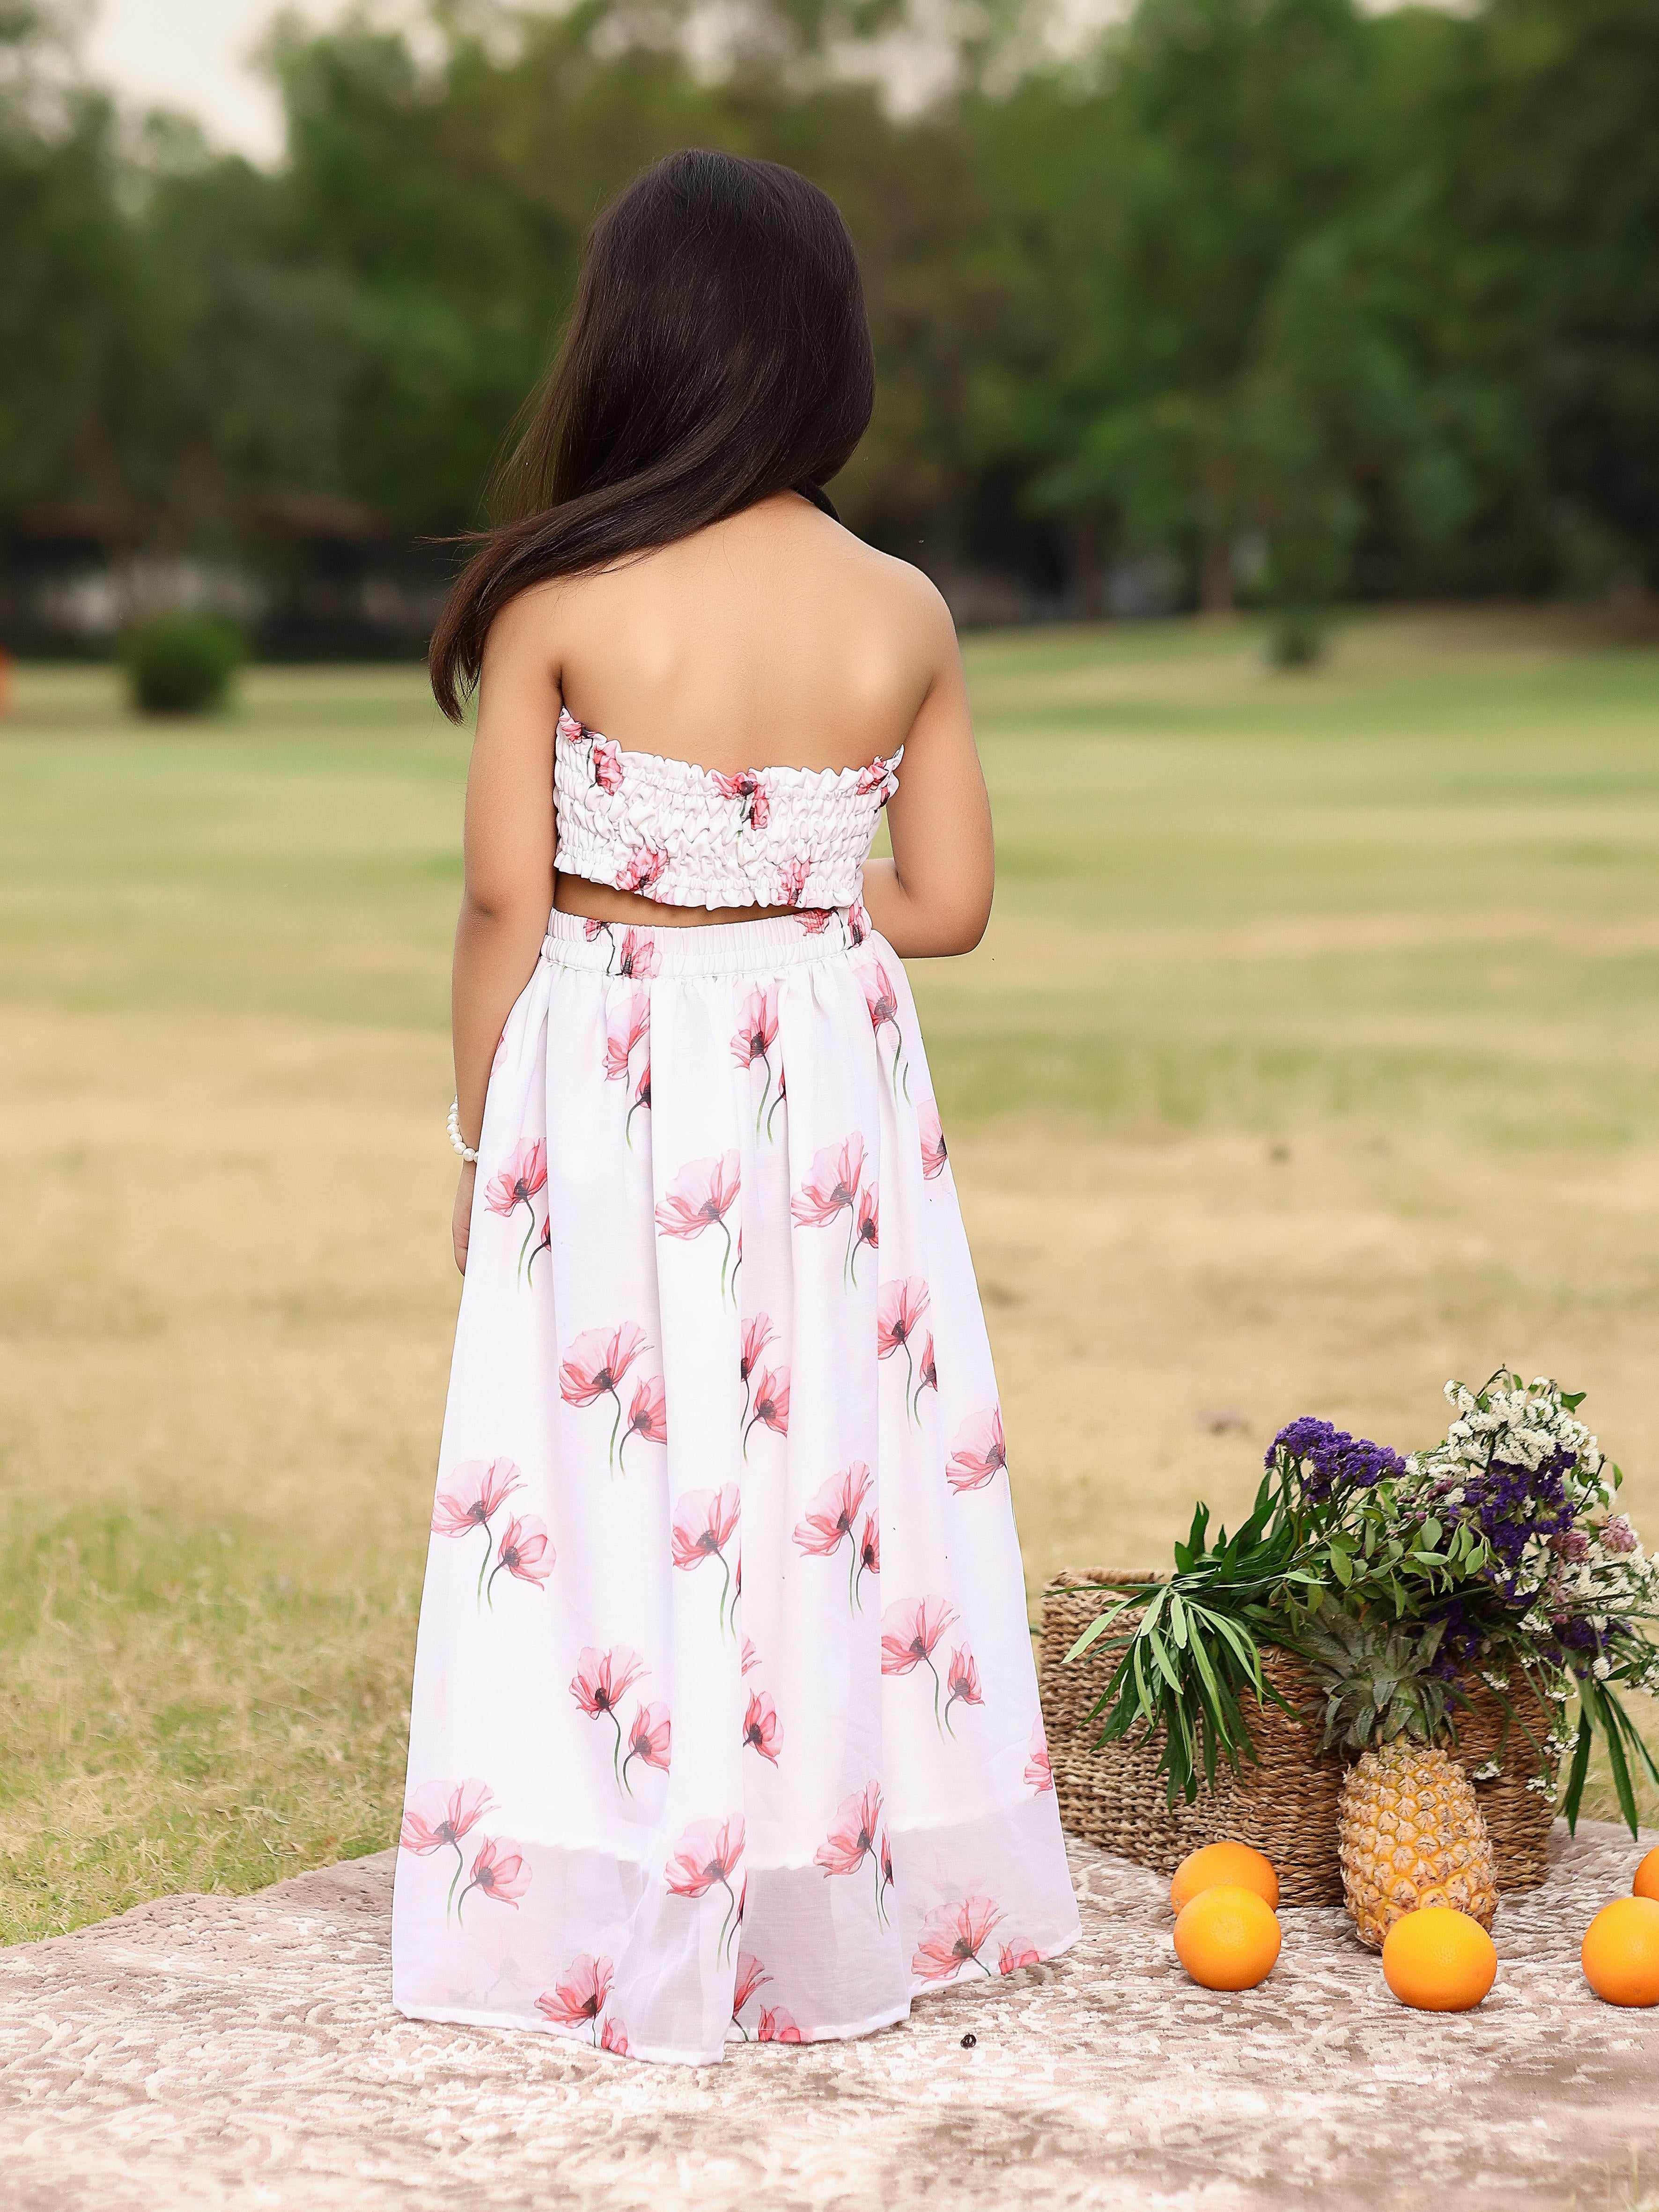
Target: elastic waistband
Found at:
x=722, y=948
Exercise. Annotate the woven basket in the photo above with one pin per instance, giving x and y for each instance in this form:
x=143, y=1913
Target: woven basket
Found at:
x=1286, y=1805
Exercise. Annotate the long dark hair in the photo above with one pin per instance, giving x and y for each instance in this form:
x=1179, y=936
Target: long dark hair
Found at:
x=718, y=352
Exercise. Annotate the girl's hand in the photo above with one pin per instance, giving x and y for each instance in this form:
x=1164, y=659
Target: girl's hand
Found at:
x=460, y=1228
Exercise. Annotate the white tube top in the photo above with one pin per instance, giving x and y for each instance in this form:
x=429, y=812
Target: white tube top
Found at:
x=685, y=836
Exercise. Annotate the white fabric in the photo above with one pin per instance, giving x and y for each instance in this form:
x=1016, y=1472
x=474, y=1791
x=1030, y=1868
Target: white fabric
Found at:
x=725, y=1721
x=686, y=837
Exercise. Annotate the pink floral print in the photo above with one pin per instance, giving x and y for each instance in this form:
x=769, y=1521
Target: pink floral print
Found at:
x=641, y=1102
x=869, y=1558
x=436, y=1818
x=750, y=787
x=933, y=1154
x=761, y=1731
x=866, y=1229
x=577, y=1998
x=601, y=1682
x=978, y=1451
x=613, y=2036
x=909, y=1632
x=1012, y=1956
x=526, y=1552
x=637, y=955
x=649, y=1740
x=1039, y=1769
x=751, y=1656
x=831, y=1519
x=752, y=1978
x=881, y=996
x=834, y=1188
x=877, y=776
x=777, y=2025
x=756, y=1034
x=700, y=1197
x=814, y=920
x=857, y=1834
x=926, y=1373
x=607, y=766
x=899, y=1309
x=594, y=1365
x=771, y=1405
x=641, y=871
x=709, y=1851
x=961, y=1683
x=627, y=1029
x=704, y=1523
x=952, y=1937
x=500, y=1871
x=478, y=1491
x=792, y=880
x=518, y=1184
x=756, y=1335
x=648, y=1418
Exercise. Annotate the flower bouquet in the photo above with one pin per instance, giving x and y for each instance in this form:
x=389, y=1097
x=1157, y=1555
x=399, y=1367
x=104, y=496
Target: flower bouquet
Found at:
x=1425, y=1622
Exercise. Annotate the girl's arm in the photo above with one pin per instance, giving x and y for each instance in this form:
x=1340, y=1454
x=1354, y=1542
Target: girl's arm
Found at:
x=509, y=845
x=935, y=895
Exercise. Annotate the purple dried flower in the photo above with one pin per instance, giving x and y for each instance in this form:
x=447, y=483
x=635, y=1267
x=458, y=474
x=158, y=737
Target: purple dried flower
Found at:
x=1618, y=1536
x=1329, y=1459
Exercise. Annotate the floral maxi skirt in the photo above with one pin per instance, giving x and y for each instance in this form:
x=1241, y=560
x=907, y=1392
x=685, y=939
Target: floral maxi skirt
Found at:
x=725, y=1722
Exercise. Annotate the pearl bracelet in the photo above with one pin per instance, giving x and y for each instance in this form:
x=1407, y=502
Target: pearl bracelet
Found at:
x=455, y=1136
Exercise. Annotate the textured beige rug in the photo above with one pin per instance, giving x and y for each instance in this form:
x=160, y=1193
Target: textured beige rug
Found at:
x=207, y=2051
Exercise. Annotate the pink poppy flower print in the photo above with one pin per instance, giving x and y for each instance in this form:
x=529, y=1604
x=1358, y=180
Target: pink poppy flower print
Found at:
x=899, y=1309
x=814, y=920
x=601, y=1682
x=756, y=1335
x=933, y=1154
x=751, y=1656
x=927, y=1374
x=704, y=1523
x=637, y=955
x=792, y=880
x=749, y=787
x=579, y=1996
x=500, y=1870
x=476, y=1492
x=607, y=765
x=625, y=1032
x=832, y=1188
x=961, y=1683
x=1039, y=1769
x=1012, y=1956
x=752, y=1978
x=640, y=872
x=881, y=996
x=593, y=929
x=869, y=1558
x=568, y=727
x=437, y=1816
x=593, y=1366
x=831, y=1519
x=867, y=1228
x=777, y=2027
x=641, y=1101
x=700, y=1197
x=910, y=1630
x=771, y=1405
x=518, y=1184
x=978, y=1451
x=613, y=2036
x=709, y=1851
x=858, y=924
x=648, y=1418
x=877, y=776
x=649, y=1739
x=757, y=1037
x=761, y=1731
x=526, y=1552
x=856, y=1834
x=952, y=1937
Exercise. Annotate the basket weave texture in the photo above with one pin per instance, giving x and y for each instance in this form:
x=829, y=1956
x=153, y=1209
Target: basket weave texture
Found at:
x=1285, y=1806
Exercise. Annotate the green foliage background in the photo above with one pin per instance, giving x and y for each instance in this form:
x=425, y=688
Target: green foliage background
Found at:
x=1374, y=294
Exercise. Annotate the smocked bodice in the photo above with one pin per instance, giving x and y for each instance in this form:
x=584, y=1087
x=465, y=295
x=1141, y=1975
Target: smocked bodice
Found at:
x=686, y=837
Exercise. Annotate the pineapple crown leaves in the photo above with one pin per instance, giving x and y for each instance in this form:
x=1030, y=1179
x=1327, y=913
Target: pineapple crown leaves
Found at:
x=1377, y=1678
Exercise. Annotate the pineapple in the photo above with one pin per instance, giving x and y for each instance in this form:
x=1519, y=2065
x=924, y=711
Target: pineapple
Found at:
x=1410, y=1831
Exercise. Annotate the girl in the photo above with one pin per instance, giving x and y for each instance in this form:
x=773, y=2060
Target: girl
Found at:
x=724, y=1719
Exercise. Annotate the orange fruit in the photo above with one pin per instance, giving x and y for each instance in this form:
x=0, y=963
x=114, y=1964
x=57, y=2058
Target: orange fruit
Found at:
x=1236, y=1863
x=1646, y=1883
x=1227, y=1938
x=1438, y=1959
x=1621, y=1951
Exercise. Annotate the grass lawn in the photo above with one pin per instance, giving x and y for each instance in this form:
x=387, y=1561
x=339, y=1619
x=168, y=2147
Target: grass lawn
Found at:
x=1310, y=1059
